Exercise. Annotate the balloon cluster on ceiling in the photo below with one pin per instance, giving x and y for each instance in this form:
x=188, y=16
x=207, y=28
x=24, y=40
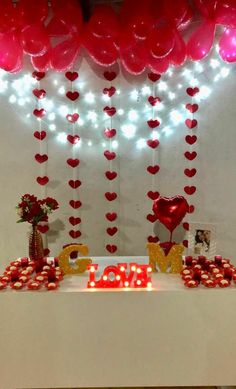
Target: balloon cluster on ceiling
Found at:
x=145, y=34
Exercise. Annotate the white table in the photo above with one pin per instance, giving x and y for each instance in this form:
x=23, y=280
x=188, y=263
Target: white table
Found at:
x=74, y=337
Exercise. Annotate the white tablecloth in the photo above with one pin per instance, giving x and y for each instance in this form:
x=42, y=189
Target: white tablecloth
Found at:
x=74, y=337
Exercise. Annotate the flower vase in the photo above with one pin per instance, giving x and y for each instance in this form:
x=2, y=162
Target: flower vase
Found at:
x=35, y=244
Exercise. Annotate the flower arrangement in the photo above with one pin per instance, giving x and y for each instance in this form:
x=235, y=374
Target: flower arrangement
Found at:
x=33, y=211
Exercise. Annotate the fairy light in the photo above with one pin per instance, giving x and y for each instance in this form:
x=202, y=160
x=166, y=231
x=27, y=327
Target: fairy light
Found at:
x=48, y=104
x=141, y=143
x=89, y=143
x=162, y=86
x=214, y=63
x=92, y=284
x=80, y=122
x=55, y=82
x=63, y=110
x=155, y=135
x=103, y=144
x=167, y=131
x=3, y=85
x=133, y=268
x=134, y=94
x=128, y=130
x=52, y=127
x=114, y=144
x=106, y=98
x=133, y=115
x=224, y=72
x=120, y=111
x=203, y=93
x=176, y=117
x=92, y=116
x=104, y=278
x=12, y=99
x=21, y=102
x=61, y=90
x=118, y=91
x=171, y=95
x=198, y=67
x=89, y=97
x=126, y=284
x=51, y=116
x=62, y=137
x=146, y=90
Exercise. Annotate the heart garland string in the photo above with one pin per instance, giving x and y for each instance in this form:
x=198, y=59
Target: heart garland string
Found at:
x=73, y=161
x=41, y=157
x=190, y=155
x=110, y=156
x=153, y=144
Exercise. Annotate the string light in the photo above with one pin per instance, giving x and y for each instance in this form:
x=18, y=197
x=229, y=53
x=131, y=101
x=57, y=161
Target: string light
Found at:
x=62, y=137
x=133, y=115
x=146, y=90
x=61, y=90
x=92, y=116
x=51, y=116
x=114, y=144
x=128, y=130
x=52, y=127
x=89, y=97
x=141, y=143
x=176, y=117
x=120, y=112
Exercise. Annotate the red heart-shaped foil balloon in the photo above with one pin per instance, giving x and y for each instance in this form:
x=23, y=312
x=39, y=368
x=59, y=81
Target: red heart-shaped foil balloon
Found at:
x=170, y=211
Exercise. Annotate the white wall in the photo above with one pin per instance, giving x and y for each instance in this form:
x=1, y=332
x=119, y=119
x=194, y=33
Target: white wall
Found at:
x=215, y=181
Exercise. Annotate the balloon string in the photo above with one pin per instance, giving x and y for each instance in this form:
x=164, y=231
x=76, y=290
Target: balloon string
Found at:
x=171, y=236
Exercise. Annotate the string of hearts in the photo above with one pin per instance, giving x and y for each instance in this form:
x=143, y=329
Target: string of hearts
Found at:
x=73, y=161
x=153, y=144
x=42, y=156
x=190, y=154
x=110, y=133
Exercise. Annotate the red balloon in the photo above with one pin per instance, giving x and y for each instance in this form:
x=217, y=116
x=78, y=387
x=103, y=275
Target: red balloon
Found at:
x=175, y=11
x=141, y=25
x=226, y=13
x=70, y=13
x=207, y=7
x=64, y=54
x=227, y=45
x=170, y=211
x=186, y=20
x=201, y=41
x=56, y=28
x=33, y=11
x=42, y=63
x=178, y=54
x=104, y=22
x=161, y=41
x=158, y=65
x=133, y=54
x=102, y=50
x=10, y=17
x=10, y=52
x=34, y=39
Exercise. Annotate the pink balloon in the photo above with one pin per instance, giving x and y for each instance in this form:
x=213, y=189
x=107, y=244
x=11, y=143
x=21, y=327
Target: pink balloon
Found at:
x=178, y=54
x=201, y=41
x=42, y=63
x=64, y=54
x=227, y=45
x=34, y=39
x=161, y=41
x=10, y=52
x=156, y=65
x=226, y=13
x=186, y=20
x=134, y=59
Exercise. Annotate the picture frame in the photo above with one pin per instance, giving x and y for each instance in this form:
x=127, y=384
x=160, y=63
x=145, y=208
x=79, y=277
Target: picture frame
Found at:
x=202, y=240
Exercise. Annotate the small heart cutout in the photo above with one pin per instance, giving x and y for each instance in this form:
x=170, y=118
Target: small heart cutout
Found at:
x=154, y=77
x=153, y=195
x=153, y=169
x=109, y=132
x=192, y=91
x=191, y=123
x=74, y=220
x=39, y=93
x=111, y=216
x=71, y=76
x=72, y=95
x=151, y=218
x=110, y=196
x=190, y=172
x=41, y=158
x=186, y=226
x=185, y=243
x=75, y=234
x=73, y=139
x=43, y=228
x=74, y=184
x=39, y=113
x=110, y=111
x=75, y=204
x=40, y=135
x=110, y=155
x=109, y=75
x=111, y=248
x=153, y=143
x=46, y=252
x=191, y=209
x=72, y=117
x=153, y=123
x=42, y=180
x=190, y=139
x=38, y=75
x=153, y=239
x=190, y=155
x=192, y=107
x=112, y=230
x=109, y=91
x=73, y=162
x=190, y=190
x=110, y=175
x=154, y=100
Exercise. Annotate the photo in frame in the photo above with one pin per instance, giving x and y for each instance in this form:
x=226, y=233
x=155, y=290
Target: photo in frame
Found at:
x=202, y=239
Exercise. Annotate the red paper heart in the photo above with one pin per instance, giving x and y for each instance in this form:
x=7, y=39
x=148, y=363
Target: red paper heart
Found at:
x=43, y=228
x=40, y=135
x=192, y=91
x=154, y=77
x=151, y=218
x=153, y=239
x=74, y=220
x=72, y=95
x=185, y=243
x=153, y=169
x=46, y=252
x=39, y=113
x=109, y=75
x=190, y=190
x=110, y=132
x=170, y=211
x=153, y=123
x=73, y=139
x=191, y=123
x=112, y=230
x=39, y=93
x=38, y=75
x=192, y=107
x=153, y=195
x=74, y=183
x=190, y=172
x=75, y=234
x=111, y=175
x=186, y=226
x=110, y=196
x=71, y=76
x=75, y=204
x=110, y=155
x=41, y=158
x=73, y=162
x=111, y=216
x=191, y=209
x=154, y=100
x=112, y=248
x=153, y=143
x=72, y=117
x=190, y=139
x=109, y=91
x=190, y=155
x=42, y=180
x=110, y=111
